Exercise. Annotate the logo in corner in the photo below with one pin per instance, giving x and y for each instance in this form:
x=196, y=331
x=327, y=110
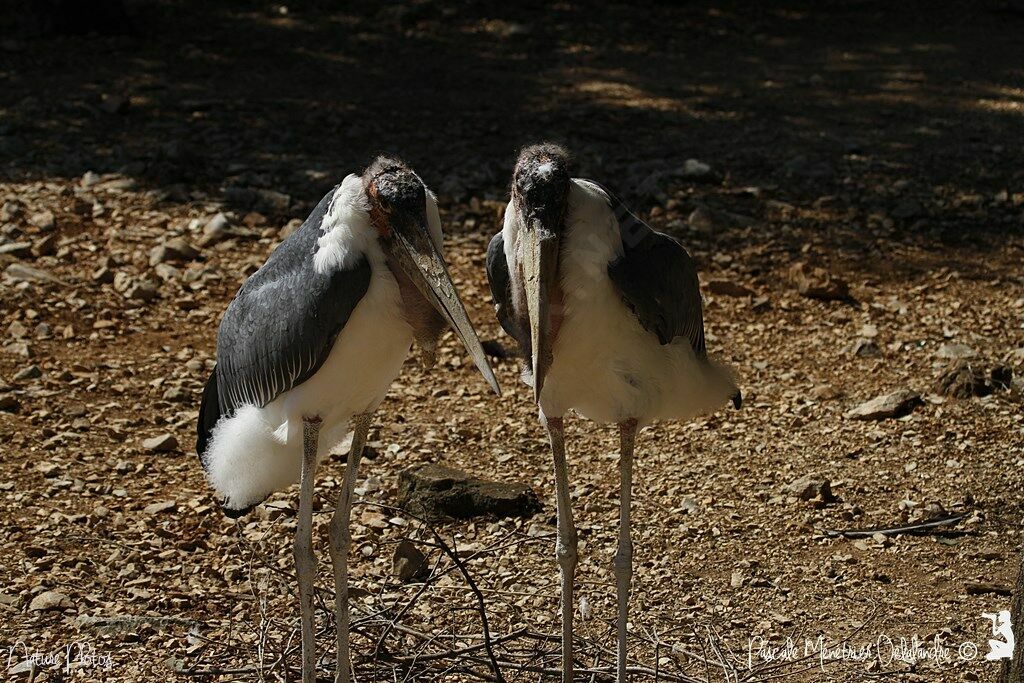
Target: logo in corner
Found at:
x=1001, y=627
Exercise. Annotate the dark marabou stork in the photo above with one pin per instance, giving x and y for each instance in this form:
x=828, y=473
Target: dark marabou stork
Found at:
x=308, y=348
x=607, y=313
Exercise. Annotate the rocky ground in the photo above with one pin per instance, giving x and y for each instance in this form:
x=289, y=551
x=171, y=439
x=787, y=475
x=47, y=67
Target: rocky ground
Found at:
x=847, y=177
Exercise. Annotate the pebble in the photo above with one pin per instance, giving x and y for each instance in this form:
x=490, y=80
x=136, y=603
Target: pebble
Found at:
x=174, y=249
x=811, y=487
x=49, y=600
x=161, y=444
x=956, y=351
x=729, y=288
x=44, y=220
x=27, y=373
x=20, y=272
x=895, y=404
x=408, y=563
x=215, y=230
x=161, y=506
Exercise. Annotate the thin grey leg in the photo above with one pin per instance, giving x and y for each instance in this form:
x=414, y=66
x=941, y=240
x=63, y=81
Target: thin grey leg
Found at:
x=624, y=555
x=565, y=546
x=341, y=539
x=305, y=562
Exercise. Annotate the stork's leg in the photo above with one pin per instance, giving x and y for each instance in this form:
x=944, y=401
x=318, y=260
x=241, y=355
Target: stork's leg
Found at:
x=305, y=562
x=341, y=539
x=565, y=546
x=624, y=555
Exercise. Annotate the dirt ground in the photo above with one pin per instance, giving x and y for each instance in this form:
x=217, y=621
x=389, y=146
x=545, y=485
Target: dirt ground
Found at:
x=879, y=143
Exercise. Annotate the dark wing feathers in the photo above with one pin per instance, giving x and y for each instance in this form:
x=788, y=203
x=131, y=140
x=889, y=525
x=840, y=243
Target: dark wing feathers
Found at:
x=280, y=327
x=501, y=287
x=657, y=280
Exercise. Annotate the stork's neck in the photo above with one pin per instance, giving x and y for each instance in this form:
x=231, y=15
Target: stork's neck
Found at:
x=426, y=323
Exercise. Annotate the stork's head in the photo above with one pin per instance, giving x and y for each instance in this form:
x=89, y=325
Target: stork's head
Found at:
x=540, y=196
x=399, y=202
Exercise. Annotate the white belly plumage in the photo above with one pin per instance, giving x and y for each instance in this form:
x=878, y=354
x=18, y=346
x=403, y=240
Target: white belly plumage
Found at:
x=608, y=368
x=259, y=450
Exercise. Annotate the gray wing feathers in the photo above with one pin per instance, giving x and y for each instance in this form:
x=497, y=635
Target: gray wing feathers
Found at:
x=658, y=281
x=280, y=327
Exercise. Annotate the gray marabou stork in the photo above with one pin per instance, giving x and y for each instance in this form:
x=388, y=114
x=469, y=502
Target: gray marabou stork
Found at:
x=308, y=348
x=607, y=313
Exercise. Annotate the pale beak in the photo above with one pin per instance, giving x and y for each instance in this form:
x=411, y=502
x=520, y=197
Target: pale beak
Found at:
x=422, y=263
x=540, y=267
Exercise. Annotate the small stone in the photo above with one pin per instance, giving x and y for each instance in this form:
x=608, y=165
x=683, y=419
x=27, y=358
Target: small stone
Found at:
x=729, y=288
x=49, y=600
x=89, y=178
x=44, y=220
x=810, y=487
x=215, y=230
x=956, y=351
x=162, y=506
x=16, y=249
x=895, y=404
x=174, y=249
x=694, y=169
x=164, y=443
x=701, y=219
x=143, y=290
x=20, y=349
x=27, y=373
x=46, y=245
x=736, y=580
x=22, y=273
x=17, y=330
x=409, y=563
x=8, y=403
x=689, y=505
x=817, y=283
x=984, y=588
x=103, y=276
x=11, y=210
x=824, y=392
x=865, y=348
x=175, y=394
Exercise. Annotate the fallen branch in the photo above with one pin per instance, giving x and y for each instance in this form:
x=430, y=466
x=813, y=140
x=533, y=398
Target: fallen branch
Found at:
x=924, y=528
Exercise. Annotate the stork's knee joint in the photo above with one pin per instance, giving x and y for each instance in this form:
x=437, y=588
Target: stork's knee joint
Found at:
x=623, y=561
x=565, y=552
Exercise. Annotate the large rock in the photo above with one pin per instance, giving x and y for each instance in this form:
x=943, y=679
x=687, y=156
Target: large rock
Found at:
x=896, y=404
x=436, y=491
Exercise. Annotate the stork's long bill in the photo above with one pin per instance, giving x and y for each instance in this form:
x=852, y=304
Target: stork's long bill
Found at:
x=416, y=255
x=540, y=267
